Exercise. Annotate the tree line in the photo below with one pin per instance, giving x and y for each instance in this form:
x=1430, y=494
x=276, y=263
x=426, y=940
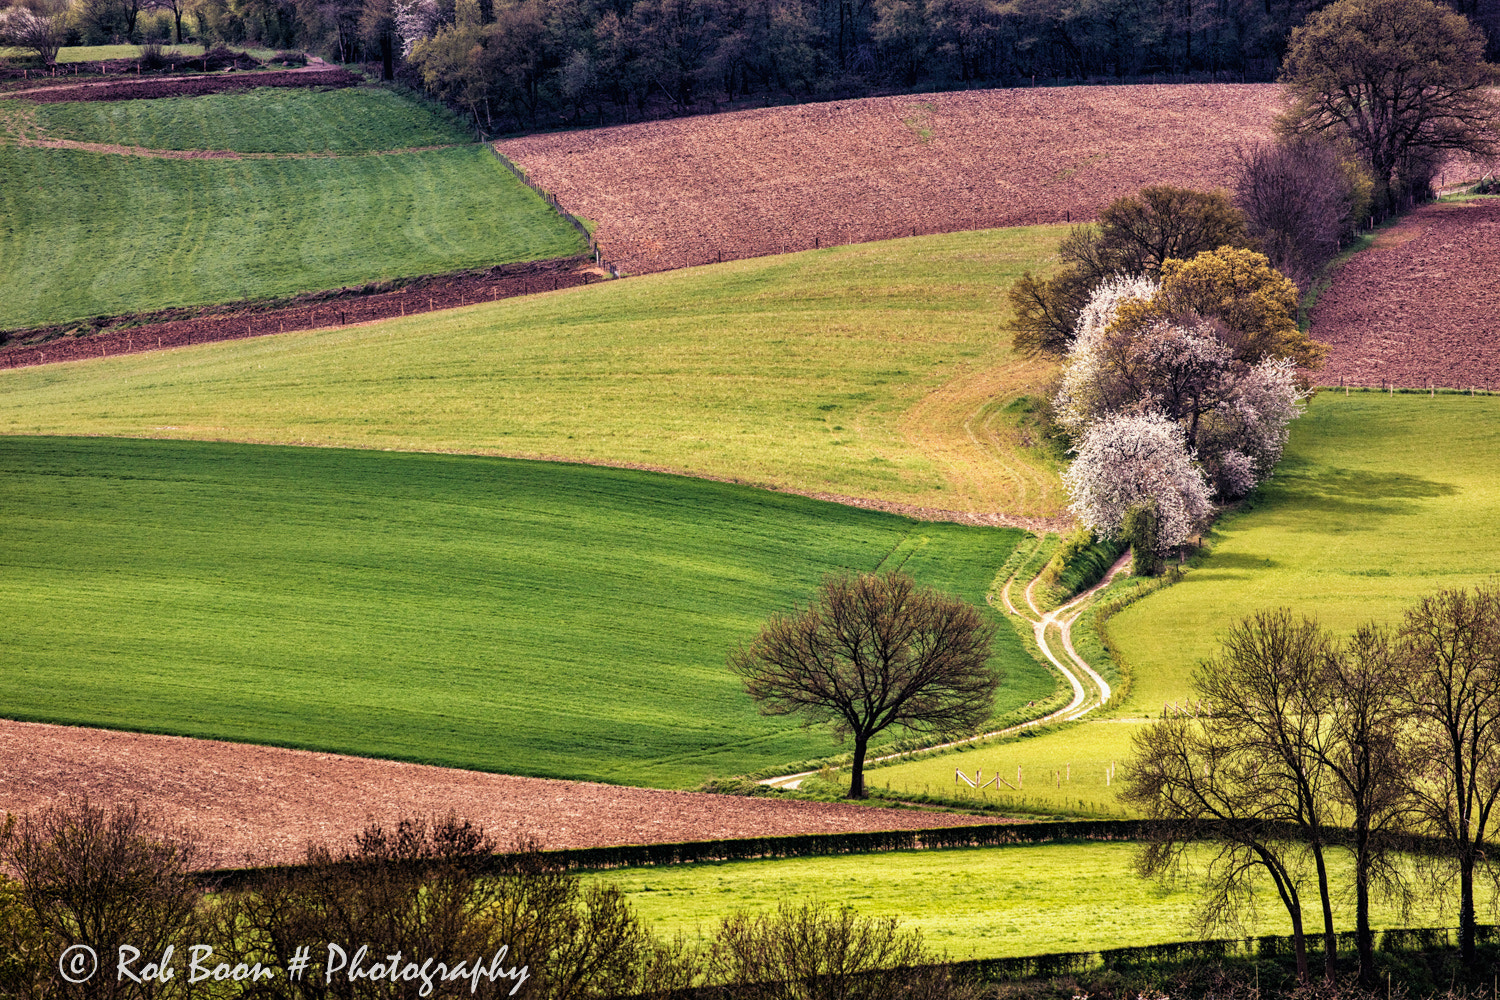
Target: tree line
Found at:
x=519, y=64
x=1310, y=745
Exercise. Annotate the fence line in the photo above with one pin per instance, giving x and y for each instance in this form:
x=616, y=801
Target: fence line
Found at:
x=551, y=199
x=1430, y=388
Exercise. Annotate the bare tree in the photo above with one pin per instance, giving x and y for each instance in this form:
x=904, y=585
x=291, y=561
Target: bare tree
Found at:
x=1202, y=789
x=1450, y=649
x=1302, y=200
x=105, y=877
x=871, y=652
x=1269, y=707
x=1364, y=747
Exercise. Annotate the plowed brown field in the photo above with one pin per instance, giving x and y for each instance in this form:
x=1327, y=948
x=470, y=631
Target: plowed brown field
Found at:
x=1421, y=306
x=677, y=193
x=265, y=804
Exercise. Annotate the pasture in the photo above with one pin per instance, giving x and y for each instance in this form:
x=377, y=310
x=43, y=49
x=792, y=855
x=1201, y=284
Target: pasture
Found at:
x=1380, y=500
x=524, y=617
x=94, y=234
x=878, y=370
x=268, y=120
x=988, y=902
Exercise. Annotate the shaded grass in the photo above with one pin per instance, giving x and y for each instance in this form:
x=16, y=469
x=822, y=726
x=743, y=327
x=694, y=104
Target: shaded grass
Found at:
x=85, y=234
x=1379, y=501
x=987, y=902
x=524, y=617
x=799, y=371
x=267, y=120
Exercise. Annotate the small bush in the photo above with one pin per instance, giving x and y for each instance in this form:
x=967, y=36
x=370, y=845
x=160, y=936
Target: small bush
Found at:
x=152, y=56
x=1487, y=185
x=821, y=952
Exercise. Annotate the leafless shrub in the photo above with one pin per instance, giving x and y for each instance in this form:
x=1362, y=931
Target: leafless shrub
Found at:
x=819, y=952
x=106, y=878
x=1302, y=200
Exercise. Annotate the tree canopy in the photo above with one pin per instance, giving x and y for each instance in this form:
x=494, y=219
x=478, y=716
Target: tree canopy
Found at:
x=1403, y=80
x=873, y=651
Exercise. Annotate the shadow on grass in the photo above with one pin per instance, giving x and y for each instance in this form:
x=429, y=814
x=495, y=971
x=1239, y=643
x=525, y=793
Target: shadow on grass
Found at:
x=1327, y=493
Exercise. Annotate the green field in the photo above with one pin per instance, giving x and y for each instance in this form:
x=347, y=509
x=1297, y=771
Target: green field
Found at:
x=878, y=370
x=267, y=120
x=93, y=53
x=525, y=617
x=975, y=903
x=1379, y=501
x=88, y=234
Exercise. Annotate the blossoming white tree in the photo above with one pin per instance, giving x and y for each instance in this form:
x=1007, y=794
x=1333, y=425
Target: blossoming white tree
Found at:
x=1083, y=394
x=1234, y=415
x=1133, y=476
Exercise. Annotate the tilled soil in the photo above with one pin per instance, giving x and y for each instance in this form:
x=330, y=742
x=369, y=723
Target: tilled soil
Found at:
x=314, y=311
x=265, y=804
x=1421, y=307
x=671, y=194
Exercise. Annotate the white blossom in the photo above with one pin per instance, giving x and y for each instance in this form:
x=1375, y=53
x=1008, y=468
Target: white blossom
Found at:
x=1079, y=399
x=1131, y=460
x=415, y=20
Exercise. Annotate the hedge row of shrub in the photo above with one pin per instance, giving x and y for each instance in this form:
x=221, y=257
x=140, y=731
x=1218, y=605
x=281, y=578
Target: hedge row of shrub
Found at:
x=804, y=846
x=1414, y=939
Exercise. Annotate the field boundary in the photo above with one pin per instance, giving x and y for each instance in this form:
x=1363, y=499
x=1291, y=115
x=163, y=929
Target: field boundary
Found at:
x=809, y=845
x=145, y=88
x=135, y=334
x=557, y=207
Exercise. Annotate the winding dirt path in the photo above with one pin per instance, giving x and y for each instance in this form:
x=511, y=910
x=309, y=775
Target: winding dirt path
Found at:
x=1085, y=699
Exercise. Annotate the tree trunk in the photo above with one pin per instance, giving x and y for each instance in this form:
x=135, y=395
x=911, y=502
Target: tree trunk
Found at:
x=1466, y=910
x=1299, y=943
x=857, y=770
x=1364, y=938
x=1330, y=936
x=387, y=67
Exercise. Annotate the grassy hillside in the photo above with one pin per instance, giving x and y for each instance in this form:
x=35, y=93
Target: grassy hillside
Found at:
x=878, y=370
x=532, y=618
x=269, y=120
x=89, y=234
x=1379, y=501
x=972, y=903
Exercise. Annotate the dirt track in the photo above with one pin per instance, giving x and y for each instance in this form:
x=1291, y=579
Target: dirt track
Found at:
x=671, y=194
x=267, y=803
x=1422, y=306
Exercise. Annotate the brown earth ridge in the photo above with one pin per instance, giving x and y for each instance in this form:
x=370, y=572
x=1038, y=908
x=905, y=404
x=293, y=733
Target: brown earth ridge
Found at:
x=263, y=804
x=670, y=194
x=1421, y=307
x=316, y=310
